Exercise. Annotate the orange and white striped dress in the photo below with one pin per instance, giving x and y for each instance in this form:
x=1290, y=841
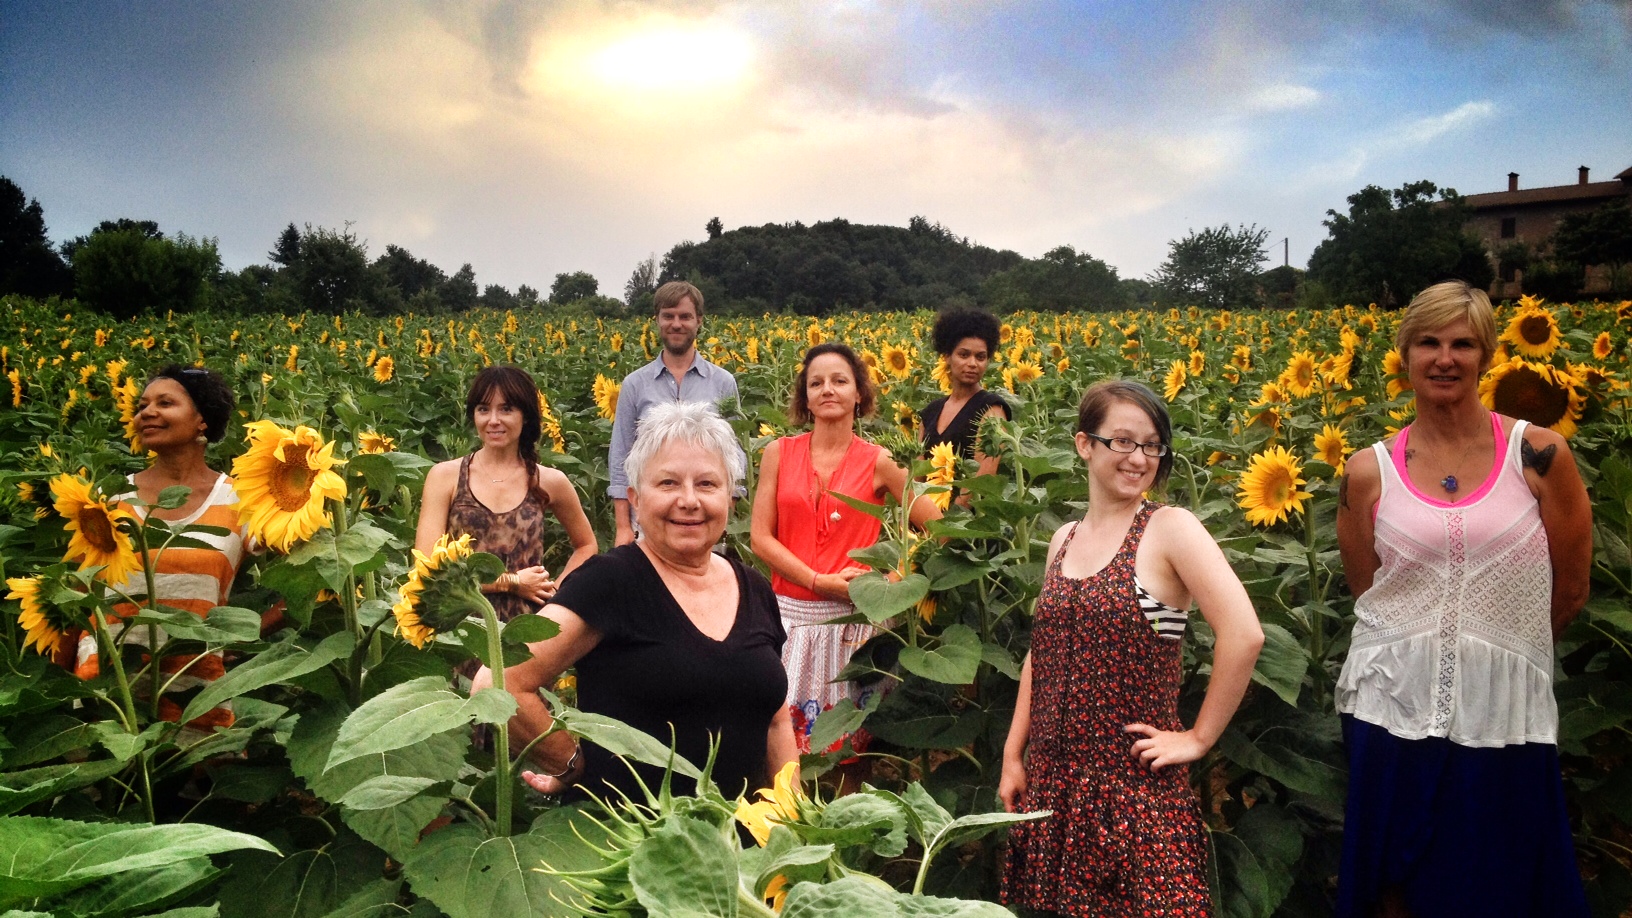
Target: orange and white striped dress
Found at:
x=194, y=579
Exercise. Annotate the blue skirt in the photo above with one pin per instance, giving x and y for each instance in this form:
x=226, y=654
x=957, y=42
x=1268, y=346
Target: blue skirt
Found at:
x=1455, y=830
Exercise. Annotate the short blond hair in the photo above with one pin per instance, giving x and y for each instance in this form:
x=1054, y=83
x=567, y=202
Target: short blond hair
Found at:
x=1442, y=304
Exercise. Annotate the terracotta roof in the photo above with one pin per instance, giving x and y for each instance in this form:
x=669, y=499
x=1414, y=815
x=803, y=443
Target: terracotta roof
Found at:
x=1556, y=193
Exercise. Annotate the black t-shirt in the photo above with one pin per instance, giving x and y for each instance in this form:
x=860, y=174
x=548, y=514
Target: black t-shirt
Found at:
x=961, y=432
x=653, y=668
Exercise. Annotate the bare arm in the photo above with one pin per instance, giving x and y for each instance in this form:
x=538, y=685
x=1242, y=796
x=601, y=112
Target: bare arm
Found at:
x=1011, y=785
x=769, y=548
x=780, y=747
x=623, y=437
x=1237, y=637
x=434, y=499
x=625, y=527
x=1566, y=514
x=549, y=660
x=1357, y=496
x=569, y=510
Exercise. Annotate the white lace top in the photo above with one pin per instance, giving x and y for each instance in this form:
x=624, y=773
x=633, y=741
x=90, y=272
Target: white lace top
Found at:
x=1454, y=638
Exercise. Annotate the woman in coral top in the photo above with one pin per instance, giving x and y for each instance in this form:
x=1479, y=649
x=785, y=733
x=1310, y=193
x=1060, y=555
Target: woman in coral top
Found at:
x=1467, y=540
x=806, y=534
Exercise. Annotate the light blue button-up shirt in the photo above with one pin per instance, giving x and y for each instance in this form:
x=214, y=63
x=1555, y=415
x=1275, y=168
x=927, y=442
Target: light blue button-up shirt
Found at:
x=653, y=384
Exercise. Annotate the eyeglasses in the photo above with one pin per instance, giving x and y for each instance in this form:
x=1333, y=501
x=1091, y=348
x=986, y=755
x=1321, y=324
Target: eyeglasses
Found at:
x=1125, y=445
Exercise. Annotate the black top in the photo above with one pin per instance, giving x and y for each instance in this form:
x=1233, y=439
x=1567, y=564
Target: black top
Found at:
x=961, y=432
x=653, y=668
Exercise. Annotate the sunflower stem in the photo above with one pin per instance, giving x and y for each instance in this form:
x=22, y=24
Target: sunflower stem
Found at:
x=348, y=602
x=1317, y=621
x=501, y=732
x=150, y=579
x=128, y=704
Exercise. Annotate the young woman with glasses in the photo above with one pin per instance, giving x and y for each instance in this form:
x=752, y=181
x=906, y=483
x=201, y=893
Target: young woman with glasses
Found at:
x=1096, y=737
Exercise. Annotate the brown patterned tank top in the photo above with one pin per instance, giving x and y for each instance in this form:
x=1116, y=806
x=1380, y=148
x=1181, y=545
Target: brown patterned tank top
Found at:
x=515, y=536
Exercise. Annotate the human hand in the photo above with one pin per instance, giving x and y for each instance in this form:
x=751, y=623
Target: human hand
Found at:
x=534, y=585
x=556, y=783
x=1161, y=748
x=1011, y=784
x=836, y=586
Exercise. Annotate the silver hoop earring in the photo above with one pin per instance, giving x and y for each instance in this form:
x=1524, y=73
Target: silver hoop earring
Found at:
x=202, y=440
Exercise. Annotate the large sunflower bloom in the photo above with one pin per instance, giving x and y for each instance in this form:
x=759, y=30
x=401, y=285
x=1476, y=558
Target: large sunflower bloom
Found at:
x=778, y=803
x=896, y=360
x=1537, y=392
x=439, y=593
x=384, y=369
x=282, y=481
x=42, y=629
x=97, y=537
x=1174, y=380
x=1269, y=487
x=1533, y=332
x=606, y=397
x=942, y=376
x=943, y=457
x=372, y=443
x=1299, y=376
x=1603, y=346
x=1332, y=448
x=1394, y=369
x=1025, y=372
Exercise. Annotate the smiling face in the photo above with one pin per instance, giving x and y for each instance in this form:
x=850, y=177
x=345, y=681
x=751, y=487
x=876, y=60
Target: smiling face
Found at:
x=1117, y=475
x=1444, y=364
x=678, y=325
x=682, y=500
x=968, y=361
x=166, y=416
x=497, y=421
x=830, y=388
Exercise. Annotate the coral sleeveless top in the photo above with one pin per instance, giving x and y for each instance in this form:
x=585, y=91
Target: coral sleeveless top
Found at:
x=1454, y=638
x=817, y=527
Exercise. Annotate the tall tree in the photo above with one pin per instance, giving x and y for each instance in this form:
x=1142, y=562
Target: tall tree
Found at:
x=459, y=291
x=571, y=287
x=124, y=272
x=408, y=274
x=28, y=263
x=331, y=275
x=1063, y=279
x=1392, y=244
x=1601, y=236
x=1216, y=267
x=642, y=284
x=287, y=249
x=714, y=228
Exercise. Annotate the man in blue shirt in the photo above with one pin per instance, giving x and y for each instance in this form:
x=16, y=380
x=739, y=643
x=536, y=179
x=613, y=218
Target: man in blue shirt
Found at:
x=679, y=373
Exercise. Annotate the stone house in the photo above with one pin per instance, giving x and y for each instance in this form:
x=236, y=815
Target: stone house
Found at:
x=1530, y=215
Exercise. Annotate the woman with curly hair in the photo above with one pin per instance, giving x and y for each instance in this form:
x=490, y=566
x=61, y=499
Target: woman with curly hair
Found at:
x=965, y=338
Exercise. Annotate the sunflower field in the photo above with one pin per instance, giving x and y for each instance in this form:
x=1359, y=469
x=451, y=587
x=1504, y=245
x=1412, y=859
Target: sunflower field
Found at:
x=357, y=777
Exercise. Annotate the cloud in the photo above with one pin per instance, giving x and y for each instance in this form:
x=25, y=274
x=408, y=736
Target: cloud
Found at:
x=1425, y=130
x=1283, y=97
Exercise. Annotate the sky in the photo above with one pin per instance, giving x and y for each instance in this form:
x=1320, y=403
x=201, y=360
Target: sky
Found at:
x=532, y=139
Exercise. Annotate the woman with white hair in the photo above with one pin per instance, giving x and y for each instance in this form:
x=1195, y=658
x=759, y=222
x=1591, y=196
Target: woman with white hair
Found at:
x=665, y=634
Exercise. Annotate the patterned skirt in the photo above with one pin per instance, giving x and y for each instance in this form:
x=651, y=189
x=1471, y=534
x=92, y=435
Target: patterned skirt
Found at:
x=814, y=655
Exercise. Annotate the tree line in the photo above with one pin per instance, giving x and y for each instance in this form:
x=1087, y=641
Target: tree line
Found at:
x=1389, y=244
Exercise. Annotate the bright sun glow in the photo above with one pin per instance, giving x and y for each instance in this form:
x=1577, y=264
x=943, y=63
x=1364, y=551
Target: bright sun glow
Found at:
x=675, y=58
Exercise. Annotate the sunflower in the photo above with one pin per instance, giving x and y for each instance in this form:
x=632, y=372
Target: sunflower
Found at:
x=98, y=539
x=1332, y=448
x=944, y=461
x=282, y=480
x=1198, y=362
x=813, y=335
x=905, y=418
x=1242, y=357
x=1025, y=372
x=372, y=443
x=896, y=360
x=606, y=397
x=1269, y=487
x=926, y=607
x=1394, y=369
x=42, y=623
x=384, y=369
x=440, y=592
x=779, y=803
x=1299, y=377
x=292, y=364
x=1533, y=332
x=942, y=376
x=1603, y=346
x=125, y=396
x=616, y=343
x=1175, y=380
x=1536, y=392
x=1005, y=333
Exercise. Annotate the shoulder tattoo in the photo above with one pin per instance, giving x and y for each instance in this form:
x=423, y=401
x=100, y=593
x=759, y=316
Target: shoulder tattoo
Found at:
x=1539, y=459
x=1343, y=492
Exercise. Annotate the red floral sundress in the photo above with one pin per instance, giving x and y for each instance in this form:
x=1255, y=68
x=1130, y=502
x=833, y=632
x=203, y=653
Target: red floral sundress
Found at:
x=1123, y=841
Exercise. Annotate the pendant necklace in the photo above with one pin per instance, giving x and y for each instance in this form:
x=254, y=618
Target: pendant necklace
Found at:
x=1450, y=482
